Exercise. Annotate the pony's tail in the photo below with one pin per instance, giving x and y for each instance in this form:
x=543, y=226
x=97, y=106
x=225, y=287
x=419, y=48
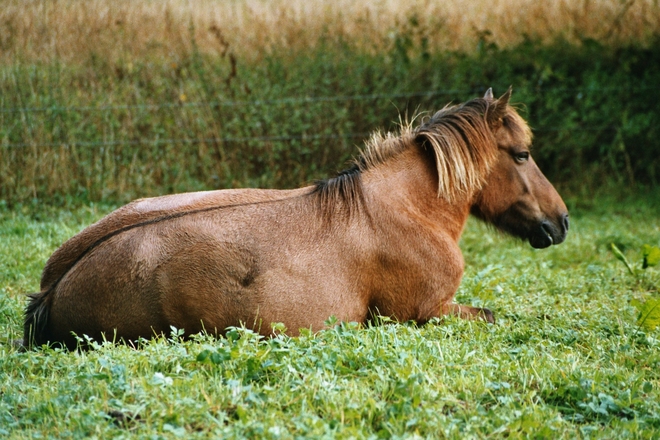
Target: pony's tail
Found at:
x=36, y=319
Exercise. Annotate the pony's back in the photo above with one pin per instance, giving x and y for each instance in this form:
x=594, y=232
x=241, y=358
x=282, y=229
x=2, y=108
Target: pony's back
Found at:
x=142, y=212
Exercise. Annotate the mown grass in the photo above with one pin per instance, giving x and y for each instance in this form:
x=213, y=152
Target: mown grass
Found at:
x=566, y=358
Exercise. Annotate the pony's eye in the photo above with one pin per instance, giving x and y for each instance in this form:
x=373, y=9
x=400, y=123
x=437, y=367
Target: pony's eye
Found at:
x=521, y=157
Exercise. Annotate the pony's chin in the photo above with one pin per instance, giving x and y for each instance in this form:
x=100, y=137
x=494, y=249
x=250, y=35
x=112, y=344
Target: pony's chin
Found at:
x=540, y=242
x=547, y=234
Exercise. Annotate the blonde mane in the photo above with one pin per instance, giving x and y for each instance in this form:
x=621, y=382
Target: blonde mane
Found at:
x=460, y=137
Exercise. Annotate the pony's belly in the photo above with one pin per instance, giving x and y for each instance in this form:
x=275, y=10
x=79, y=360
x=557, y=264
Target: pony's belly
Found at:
x=255, y=301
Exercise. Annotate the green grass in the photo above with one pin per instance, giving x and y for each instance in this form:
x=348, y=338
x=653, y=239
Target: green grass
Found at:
x=566, y=358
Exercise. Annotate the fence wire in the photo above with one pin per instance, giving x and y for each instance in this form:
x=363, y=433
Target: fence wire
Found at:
x=216, y=104
x=195, y=141
x=303, y=99
x=267, y=102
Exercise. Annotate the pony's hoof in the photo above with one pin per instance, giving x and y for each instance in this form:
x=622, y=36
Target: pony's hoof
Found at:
x=487, y=316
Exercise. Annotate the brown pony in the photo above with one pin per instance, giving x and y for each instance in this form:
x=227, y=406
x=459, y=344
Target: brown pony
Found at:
x=380, y=238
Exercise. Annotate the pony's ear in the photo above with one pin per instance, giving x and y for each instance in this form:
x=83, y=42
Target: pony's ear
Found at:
x=504, y=99
x=497, y=109
x=489, y=94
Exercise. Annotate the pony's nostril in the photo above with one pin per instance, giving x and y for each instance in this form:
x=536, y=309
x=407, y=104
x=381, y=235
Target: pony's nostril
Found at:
x=564, y=222
x=547, y=228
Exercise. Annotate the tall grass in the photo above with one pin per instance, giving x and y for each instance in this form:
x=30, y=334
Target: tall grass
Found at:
x=110, y=101
x=70, y=30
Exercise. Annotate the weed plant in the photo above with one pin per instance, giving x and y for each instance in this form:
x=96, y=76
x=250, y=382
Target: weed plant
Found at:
x=566, y=358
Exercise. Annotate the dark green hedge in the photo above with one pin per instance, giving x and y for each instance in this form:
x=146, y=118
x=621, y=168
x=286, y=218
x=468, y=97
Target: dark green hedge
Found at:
x=152, y=126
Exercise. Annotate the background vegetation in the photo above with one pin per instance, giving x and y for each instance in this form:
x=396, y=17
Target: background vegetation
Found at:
x=113, y=102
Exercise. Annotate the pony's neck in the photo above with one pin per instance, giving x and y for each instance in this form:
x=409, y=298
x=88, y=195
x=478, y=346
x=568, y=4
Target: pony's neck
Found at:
x=409, y=185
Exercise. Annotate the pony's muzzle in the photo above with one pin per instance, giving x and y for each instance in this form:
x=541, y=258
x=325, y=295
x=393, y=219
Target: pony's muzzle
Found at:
x=549, y=233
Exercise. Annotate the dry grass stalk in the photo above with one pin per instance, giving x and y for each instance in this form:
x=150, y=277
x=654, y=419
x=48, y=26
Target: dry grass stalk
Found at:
x=72, y=30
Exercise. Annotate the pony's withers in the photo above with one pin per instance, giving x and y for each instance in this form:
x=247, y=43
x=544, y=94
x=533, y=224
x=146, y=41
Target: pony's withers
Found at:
x=378, y=239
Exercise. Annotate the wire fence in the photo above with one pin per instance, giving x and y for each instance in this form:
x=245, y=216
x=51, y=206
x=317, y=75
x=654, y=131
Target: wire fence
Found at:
x=308, y=99
x=302, y=137
x=579, y=92
x=215, y=104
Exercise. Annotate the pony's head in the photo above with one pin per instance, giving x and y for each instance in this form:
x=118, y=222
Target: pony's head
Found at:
x=515, y=196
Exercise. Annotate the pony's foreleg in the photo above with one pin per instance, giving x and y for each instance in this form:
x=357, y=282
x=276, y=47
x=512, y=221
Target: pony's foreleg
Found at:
x=467, y=312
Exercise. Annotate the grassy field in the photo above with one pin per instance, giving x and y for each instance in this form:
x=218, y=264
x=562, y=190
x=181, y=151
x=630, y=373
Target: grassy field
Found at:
x=566, y=358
